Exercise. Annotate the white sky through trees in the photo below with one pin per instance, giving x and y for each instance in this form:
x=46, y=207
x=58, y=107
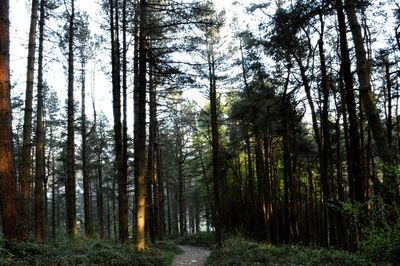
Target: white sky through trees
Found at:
x=56, y=76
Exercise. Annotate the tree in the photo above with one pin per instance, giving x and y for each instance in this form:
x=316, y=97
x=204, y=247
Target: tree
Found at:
x=7, y=174
x=27, y=142
x=120, y=175
x=40, y=145
x=140, y=129
x=71, y=225
x=210, y=27
x=390, y=193
x=84, y=52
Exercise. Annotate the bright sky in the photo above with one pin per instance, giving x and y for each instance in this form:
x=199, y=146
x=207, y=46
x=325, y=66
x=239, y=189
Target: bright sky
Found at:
x=55, y=75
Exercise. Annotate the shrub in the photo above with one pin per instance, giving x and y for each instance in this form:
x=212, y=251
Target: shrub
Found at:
x=86, y=252
x=202, y=239
x=242, y=252
x=382, y=245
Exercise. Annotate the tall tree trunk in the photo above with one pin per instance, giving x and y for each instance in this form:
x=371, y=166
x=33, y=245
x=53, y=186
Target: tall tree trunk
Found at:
x=181, y=191
x=390, y=186
x=72, y=228
x=124, y=176
x=151, y=189
x=260, y=170
x=160, y=185
x=119, y=165
x=53, y=199
x=325, y=137
x=8, y=187
x=27, y=129
x=354, y=151
x=100, y=203
x=100, y=194
x=85, y=163
x=140, y=132
x=389, y=122
x=215, y=145
x=153, y=164
x=40, y=150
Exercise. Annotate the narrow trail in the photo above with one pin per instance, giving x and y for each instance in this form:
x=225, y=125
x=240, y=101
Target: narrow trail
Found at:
x=194, y=256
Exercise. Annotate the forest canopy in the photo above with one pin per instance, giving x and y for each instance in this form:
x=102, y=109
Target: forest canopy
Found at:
x=148, y=119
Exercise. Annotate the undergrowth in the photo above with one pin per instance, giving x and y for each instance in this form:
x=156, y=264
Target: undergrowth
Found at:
x=382, y=245
x=240, y=251
x=202, y=239
x=87, y=252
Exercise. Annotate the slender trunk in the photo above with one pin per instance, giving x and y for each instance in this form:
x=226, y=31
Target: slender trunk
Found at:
x=215, y=146
x=169, y=223
x=100, y=203
x=181, y=195
x=124, y=177
x=390, y=186
x=150, y=214
x=108, y=217
x=209, y=205
x=161, y=209
x=354, y=151
x=140, y=133
x=119, y=164
x=260, y=170
x=85, y=163
x=8, y=187
x=340, y=226
x=39, y=149
x=135, y=85
x=27, y=128
x=45, y=208
x=325, y=138
x=389, y=122
x=114, y=215
x=53, y=199
x=72, y=228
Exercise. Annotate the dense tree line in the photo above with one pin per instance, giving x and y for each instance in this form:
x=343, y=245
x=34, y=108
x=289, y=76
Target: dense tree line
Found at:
x=298, y=141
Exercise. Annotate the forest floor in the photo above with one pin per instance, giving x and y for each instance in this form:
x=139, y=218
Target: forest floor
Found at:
x=195, y=256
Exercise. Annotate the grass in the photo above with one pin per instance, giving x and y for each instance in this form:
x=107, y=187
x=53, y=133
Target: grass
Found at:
x=202, y=239
x=87, y=252
x=238, y=251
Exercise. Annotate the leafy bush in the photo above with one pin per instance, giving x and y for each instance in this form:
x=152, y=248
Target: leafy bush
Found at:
x=202, y=239
x=242, y=252
x=382, y=245
x=86, y=252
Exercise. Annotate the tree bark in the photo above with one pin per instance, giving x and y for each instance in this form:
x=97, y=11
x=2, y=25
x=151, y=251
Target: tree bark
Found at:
x=215, y=145
x=140, y=131
x=391, y=193
x=354, y=151
x=27, y=128
x=325, y=139
x=8, y=187
x=85, y=163
x=116, y=83
x=161, y=196
x=124, y=175
x=40, y=145
x=72, y=228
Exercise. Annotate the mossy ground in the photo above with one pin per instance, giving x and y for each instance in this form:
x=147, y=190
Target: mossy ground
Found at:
x=243, y=252
x=87, y=252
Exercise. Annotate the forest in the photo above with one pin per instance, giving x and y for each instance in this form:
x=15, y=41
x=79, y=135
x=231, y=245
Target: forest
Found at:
x=267, y=132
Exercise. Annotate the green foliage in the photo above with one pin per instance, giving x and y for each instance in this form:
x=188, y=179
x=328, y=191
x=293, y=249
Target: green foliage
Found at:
x=240, y=251
x=169, y=250
x=203, y=239
x=382, y=245
x=86, y=252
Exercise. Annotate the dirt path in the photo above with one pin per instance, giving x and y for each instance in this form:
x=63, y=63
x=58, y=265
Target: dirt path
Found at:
x=194, y=256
